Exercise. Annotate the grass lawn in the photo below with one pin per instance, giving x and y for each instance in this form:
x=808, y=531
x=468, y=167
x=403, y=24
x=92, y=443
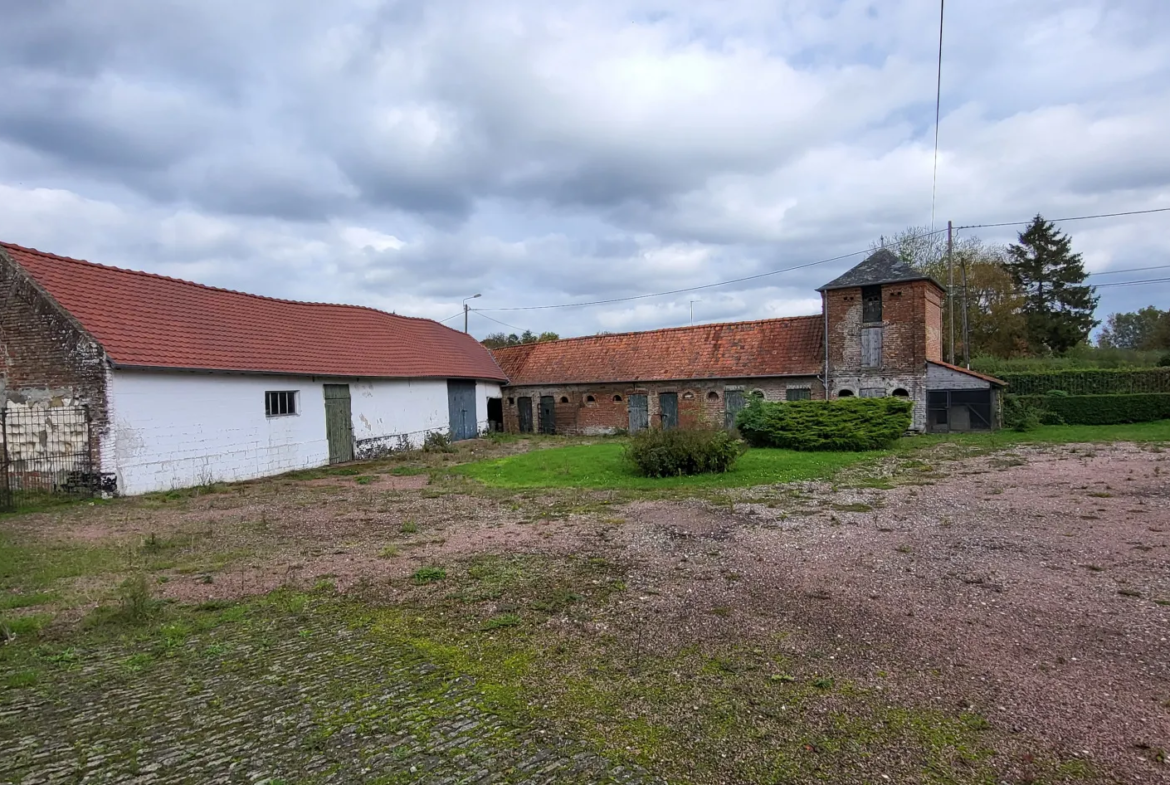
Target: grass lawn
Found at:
x=601, y=465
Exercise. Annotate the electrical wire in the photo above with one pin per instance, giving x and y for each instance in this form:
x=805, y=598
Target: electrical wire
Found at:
x=942, y=6
x=449, y=318
x=497, y=321
x=1130, y=270
x=1131, y=283
x=770, y=273
x=1062, y=220
x=696, y=288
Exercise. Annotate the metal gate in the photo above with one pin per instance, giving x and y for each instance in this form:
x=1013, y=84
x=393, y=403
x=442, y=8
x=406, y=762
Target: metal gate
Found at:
x=639, y=412
x=949, y=411
x=732, y=406
x=524, y=406
x=45, y=451
x=338, y=423
x=461, y=408
x=668, y=405
x=548, y=414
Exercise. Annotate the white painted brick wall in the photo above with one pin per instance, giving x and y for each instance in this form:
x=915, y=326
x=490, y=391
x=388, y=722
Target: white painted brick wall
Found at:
x=175, y=430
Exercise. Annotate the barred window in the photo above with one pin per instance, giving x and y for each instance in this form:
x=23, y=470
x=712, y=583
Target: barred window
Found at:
x=278, y=403
x=799, y=393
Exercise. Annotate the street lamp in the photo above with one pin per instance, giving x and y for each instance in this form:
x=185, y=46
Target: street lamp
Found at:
x=466, y=310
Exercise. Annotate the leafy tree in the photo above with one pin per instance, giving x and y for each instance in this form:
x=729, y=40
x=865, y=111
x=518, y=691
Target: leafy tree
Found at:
x=1058, y=305
x=500, y=340
x=995, y=321
x=1142, y=329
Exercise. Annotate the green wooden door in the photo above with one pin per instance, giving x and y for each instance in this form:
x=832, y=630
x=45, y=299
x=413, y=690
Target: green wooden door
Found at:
x=732, y=403
x=338, y=423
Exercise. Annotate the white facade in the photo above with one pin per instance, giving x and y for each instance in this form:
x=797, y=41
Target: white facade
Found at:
x=174, y=430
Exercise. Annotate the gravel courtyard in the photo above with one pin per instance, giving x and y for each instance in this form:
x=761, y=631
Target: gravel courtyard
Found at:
x=941, y=616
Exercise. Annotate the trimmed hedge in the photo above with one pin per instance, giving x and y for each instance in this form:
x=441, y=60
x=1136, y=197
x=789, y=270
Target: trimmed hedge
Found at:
x=845, y=424
x=1096, y=409
x=654, y=452
x=1092, y=381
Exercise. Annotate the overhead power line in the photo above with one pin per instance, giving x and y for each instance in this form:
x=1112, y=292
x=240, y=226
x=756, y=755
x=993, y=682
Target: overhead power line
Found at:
x=770, y=273
x=755, y=277
x=497, y=321
x=942, y=6
x=1062, y=220
x=449, y=318
x=1131, y=270
x=1131, y=283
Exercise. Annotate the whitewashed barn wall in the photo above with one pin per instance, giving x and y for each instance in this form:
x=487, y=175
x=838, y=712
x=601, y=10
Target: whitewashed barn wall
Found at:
x=175, y=430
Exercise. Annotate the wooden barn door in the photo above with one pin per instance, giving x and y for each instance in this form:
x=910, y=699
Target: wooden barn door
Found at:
x=338, y=423
x=668, y=404
x=639, y=412
x=524, y=407
x=732, y=406
x=548, y=414
x=461, y=409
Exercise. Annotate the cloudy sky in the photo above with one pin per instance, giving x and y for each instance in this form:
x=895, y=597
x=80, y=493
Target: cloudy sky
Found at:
x=407, y=154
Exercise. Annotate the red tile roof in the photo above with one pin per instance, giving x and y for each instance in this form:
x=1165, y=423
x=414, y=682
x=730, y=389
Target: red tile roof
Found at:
x=969, y=372
x=146, y=320
x=770, y=347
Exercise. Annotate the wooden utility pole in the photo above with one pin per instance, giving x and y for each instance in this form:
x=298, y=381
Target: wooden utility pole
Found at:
x=951, y=286
x=966, y=332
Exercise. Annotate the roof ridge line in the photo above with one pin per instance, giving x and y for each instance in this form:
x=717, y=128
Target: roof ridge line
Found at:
x=661, y=330
x=172, y=279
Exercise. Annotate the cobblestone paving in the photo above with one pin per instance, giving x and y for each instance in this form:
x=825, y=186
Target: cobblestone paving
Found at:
x=276, y=705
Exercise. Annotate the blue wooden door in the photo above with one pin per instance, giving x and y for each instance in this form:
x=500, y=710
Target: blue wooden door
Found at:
x=461, y=408
x=639, y=412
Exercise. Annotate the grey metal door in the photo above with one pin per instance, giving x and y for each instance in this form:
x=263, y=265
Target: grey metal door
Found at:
x=732, y=406
x=524, y=405
x=461, y=407
x=548, y=414
x=338, y=423
x=668, y=405
x=639, y=412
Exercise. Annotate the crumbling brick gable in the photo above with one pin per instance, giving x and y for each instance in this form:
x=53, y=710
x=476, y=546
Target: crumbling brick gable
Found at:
x=44, y=354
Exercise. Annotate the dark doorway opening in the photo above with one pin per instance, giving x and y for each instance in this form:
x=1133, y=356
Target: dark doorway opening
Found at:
x=496, y=414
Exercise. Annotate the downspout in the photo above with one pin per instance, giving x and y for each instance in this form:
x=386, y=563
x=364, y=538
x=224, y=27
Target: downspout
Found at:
x=825, y=314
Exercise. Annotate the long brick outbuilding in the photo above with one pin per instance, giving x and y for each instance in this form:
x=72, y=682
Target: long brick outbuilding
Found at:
x=879, y=334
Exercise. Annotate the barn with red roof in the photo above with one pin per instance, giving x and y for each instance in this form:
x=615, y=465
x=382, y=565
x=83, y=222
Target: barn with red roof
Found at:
x=183, y=384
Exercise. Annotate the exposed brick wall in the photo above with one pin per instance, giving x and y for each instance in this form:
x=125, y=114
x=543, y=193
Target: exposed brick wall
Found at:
x=911, y=334
x=700, y=402
x=45, y=357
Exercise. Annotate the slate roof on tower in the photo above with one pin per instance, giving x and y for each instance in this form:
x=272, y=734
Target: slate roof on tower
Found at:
x=728, y=350
x=882, y=266
x=142, y=320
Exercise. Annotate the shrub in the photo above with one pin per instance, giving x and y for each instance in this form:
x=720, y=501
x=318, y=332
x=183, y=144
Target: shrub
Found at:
x=655, y=452
x=1091, y=381
x=1098, y=409
x=848, y=424
x=1022, y=414
x=1165, y=361
x=437, y=441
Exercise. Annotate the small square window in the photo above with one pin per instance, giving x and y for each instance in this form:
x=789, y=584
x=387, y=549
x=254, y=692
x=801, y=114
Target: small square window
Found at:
x=278, y=403
x=799, y=393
